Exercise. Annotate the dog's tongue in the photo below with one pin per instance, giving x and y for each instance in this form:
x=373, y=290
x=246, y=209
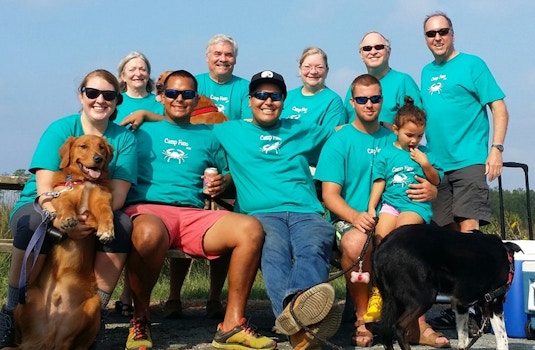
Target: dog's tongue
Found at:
x=93, y=173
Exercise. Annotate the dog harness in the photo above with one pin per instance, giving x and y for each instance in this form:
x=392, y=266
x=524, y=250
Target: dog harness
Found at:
x=488, y=297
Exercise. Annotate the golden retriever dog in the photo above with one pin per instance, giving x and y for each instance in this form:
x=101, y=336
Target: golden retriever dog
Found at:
x=63, y=309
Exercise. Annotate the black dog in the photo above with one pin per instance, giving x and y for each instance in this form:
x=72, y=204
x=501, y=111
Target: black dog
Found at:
x=416, y=262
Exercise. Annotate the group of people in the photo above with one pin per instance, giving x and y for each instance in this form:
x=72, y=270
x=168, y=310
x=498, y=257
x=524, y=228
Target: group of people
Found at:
x=278, y=144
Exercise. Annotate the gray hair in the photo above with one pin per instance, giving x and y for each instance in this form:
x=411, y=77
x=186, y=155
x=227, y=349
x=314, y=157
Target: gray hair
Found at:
x=374, y=32
x=125, y=60
x=222, y=38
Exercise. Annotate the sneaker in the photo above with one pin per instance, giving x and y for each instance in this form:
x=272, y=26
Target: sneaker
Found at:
x=7, y=328
x=319, y=332
x=241, y=337
x=375, y=304
x=446, y=320
x=139, y=335
x=309, y=307
x=172, y=309
x=215, y=310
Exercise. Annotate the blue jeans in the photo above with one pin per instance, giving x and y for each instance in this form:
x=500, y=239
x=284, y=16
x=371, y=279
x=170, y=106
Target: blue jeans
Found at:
x=296, y=253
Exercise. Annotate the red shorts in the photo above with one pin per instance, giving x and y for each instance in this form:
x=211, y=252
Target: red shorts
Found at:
x=186, y=226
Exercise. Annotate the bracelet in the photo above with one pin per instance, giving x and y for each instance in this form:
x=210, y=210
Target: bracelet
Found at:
x=49, y=214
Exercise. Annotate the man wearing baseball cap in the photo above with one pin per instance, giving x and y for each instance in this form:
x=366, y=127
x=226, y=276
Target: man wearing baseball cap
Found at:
x=268, y=158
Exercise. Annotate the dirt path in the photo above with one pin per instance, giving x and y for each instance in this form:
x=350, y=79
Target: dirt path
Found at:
x=195, y=331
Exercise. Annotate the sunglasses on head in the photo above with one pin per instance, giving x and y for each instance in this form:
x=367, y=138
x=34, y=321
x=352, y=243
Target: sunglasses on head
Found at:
x=369, y=48
x=173, y=94
x=433, y=33
x=264, y=95
x=109, y=95
x=362, y=100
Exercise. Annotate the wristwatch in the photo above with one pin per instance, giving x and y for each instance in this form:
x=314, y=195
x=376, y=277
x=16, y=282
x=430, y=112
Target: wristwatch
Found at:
x=499, y=147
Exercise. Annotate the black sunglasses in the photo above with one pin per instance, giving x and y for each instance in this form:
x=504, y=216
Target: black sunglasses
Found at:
x=173, y=94
x=433, y=33
x=362, y=100
x=109, y=95
x=264, y=95
x=369, y=48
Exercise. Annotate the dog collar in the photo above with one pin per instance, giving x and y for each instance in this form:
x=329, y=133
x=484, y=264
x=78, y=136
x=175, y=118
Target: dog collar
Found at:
x=207, y=109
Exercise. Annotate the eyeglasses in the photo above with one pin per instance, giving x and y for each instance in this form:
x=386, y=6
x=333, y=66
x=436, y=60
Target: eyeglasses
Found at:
x=441, y=32
x=369, y=48
x=109, y=95
x=173, y=94
x=264, y=95
x=308, y=68
x=362, y=100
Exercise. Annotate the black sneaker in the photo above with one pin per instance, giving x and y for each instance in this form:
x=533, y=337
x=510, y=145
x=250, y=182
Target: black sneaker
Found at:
x=446, y=320
x=7, y=328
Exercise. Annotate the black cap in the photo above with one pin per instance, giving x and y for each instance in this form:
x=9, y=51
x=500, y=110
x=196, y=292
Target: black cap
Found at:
x=267, y=76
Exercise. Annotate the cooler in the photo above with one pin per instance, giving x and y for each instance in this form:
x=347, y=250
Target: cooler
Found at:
x=515, y=307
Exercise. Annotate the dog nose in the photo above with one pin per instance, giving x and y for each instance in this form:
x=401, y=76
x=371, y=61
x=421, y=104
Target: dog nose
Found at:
x=98, y=158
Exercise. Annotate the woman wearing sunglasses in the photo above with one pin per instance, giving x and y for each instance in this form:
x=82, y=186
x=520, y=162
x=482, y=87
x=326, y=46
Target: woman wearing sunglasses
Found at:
x=313, y=101
x=99, y=96
x=136, y=86
x=375, y=52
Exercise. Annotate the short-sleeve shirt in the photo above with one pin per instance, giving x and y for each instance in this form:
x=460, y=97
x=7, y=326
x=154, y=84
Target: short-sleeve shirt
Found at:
x=395, y=86
x=270, y=166
x=323, y=108
x=130, y=104
x=455, y=95
x=395, y=166
x=347, y=160
x=172, y=159
x=231, y=98
x=123, y=165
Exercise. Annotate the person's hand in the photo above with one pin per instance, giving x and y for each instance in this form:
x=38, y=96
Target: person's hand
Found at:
x=494, y=164
x=423, y=191
x=419, y=156
x=134, y=119
x=217, y=186
x=81, y=230
x=363, y=221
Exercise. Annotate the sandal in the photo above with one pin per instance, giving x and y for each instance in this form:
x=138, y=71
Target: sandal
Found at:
x=125, y=310
x=418, y=337
x=362, y=338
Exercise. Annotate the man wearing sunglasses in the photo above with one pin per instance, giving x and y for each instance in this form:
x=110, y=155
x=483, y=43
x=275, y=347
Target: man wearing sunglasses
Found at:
x=268, y=158
x=375, y=51
x=344, y=168
x=167, y=209
x=457, y=88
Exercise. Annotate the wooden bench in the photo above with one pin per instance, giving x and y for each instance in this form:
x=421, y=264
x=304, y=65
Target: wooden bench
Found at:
x=16, y=183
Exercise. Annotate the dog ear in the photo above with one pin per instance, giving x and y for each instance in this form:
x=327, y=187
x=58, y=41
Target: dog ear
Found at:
x=65, y=152
x=119, y=99
x=512, y=247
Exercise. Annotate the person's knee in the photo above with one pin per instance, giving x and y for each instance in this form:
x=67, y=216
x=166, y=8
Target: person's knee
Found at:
x=352, y=244
x=251, y=230
x=148, y=236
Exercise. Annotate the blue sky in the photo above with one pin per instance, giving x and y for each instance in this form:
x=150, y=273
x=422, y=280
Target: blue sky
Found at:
x=49, y=45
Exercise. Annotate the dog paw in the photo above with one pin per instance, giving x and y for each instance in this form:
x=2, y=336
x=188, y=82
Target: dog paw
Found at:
x=69, y=223
x=105, y=236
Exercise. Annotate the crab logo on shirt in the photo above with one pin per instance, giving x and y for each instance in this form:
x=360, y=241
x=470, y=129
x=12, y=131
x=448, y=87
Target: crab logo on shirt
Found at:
x=272, y=145
x=174, y=154
x=437, y=84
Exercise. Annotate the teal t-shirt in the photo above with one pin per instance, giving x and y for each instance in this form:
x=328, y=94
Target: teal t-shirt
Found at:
x=130, y=104
x=172, y=159
x=270, y=165
x=323, y=108
x=395, y=86
x=231, y=98
x=455, y=95
x=123, y=165
x=347, y=160
x=396, y=167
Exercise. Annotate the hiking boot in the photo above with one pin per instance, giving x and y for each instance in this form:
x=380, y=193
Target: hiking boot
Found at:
x=172, y=309
x=215, y=310
x=375, y=304
x=446, y=320
x=7, y=328
x=319, y=332
x=139, y=335
x=309, y=307
x=241, y=337
x=101, y=339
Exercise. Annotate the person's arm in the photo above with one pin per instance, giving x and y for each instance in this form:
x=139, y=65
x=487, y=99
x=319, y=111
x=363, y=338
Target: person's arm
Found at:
x=431, y=174
x=135, y=119
x=120, y=190
x=336, y=204
x=43, y=181
x=375, y=196
x=500, y=116
x=423, y=191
